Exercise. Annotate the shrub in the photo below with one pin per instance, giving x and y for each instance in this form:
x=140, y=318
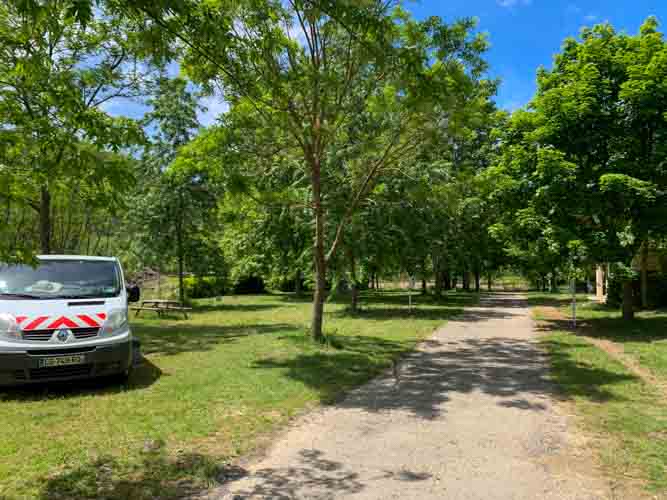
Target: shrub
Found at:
x=657, y=290
x=202, y=287
x=249, y=285
x=287, y=285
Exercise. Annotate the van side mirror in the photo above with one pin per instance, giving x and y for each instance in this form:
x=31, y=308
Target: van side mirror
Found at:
x=133, y=293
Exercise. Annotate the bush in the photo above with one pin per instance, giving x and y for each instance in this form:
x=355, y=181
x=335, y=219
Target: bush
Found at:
x=203, y=287
x=657, y=290
x=249, y=285
x=287, y=285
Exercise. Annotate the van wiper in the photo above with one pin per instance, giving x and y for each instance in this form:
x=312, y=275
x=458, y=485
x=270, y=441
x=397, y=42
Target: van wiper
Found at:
x=70, y=297
x=20, y=296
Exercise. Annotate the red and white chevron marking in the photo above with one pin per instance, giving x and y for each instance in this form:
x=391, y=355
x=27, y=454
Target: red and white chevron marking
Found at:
x=52, y=322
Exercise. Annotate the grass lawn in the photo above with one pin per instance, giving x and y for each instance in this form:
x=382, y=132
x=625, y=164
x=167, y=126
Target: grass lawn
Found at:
x=212, y=388
x=626, y=413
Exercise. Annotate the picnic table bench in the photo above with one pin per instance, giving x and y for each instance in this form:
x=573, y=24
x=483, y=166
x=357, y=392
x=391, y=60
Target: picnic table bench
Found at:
x=161, y=307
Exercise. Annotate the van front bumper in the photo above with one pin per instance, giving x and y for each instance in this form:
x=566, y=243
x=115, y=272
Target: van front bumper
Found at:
x=19, y=368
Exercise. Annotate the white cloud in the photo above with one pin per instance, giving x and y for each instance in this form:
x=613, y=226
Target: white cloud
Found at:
x=120, y=106
x=577, y=11
x=513, y=3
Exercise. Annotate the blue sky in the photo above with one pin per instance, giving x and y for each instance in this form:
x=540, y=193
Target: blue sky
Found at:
x=524, y=35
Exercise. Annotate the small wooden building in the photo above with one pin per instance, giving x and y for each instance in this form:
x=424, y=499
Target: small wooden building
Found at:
x=655, y=262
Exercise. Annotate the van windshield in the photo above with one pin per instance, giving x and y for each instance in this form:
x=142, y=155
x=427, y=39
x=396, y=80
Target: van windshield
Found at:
x=60, y=279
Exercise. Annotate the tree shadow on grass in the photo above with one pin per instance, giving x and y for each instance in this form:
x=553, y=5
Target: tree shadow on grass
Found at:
x=490, y=306
x=394, y=313
x=562, y=299
x=330, y=373
x=390, y=298
x=641, y=329
x=576, y=379
x=157, y=475
x=648, y=326
x=240, y=308
x=513, y=370
x=402, y=298
x=179, y=338
x=542, y=301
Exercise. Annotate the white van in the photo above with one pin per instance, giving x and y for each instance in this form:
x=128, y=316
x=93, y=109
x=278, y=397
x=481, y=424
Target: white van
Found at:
x=64, y=318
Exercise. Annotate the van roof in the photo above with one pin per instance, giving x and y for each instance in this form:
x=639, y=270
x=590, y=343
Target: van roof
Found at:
x=76, y=257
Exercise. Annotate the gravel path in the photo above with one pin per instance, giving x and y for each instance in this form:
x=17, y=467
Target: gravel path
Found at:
x=471, y=417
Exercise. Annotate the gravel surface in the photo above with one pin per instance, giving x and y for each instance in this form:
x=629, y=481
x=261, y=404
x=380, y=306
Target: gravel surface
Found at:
x=471, y=416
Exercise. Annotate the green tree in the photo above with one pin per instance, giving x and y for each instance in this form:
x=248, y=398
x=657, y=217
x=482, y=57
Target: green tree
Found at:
x=173, y=212
x=604, y=109
x=348, y=87
x=583, y=169
x=56, y=76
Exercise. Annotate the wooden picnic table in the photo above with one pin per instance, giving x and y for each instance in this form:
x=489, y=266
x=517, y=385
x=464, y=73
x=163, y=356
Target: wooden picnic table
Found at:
x=161, y=307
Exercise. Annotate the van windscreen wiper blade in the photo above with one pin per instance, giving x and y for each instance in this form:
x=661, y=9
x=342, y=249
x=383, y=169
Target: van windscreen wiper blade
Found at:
x=74, y=296
x=19, y=296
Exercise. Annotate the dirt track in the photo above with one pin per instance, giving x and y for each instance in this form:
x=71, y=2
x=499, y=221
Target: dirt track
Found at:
x=471, y=417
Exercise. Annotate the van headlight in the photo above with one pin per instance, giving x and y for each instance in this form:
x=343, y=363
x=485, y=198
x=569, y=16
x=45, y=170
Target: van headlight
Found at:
x=9, y=328
x=116, y=323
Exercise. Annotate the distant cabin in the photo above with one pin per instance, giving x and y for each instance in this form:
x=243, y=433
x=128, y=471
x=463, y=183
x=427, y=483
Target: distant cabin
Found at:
x=656, y=262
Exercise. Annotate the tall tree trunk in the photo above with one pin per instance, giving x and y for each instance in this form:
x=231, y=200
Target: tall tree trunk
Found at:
x=628, y=305
x=466, y=281
x=554, y=281
x=448, y=281
x=477, y=280
x=644, y=274
x=45, y=220
x=319, y=255
x=423, y=285
x=319, y=296
x=179, y=247
x=354, y=303
x=437, y=290
x=297, y=283
x=489, y=282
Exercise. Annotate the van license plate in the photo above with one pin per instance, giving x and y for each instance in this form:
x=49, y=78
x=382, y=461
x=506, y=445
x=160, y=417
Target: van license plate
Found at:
x=62, y=361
